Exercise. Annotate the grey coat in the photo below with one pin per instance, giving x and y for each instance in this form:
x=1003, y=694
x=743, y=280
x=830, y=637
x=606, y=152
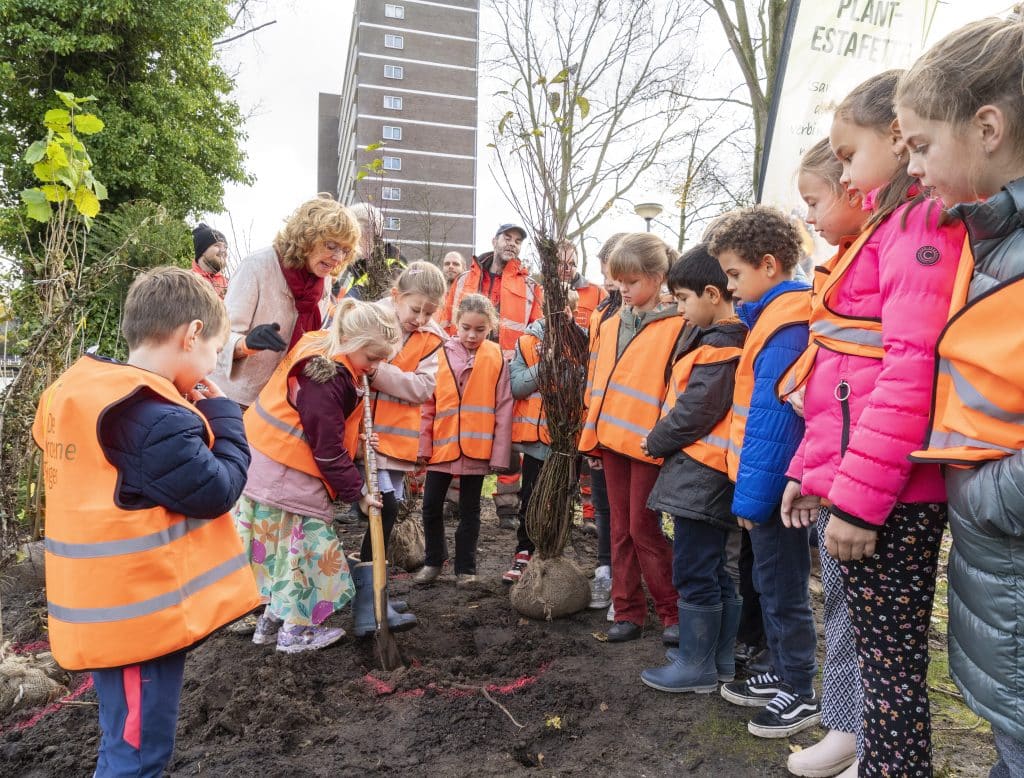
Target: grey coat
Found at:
x=686, y=487
x=986, y=514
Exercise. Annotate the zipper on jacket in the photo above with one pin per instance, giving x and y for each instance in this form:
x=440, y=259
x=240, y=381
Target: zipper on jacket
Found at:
x=842, y=394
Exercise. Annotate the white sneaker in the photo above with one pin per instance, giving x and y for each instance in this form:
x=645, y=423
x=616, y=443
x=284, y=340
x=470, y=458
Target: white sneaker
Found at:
x=611, y=612
x=828, y=757
x=600, y=589
x=849, y=772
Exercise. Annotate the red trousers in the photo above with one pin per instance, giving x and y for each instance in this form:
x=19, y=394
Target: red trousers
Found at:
x=638, y=546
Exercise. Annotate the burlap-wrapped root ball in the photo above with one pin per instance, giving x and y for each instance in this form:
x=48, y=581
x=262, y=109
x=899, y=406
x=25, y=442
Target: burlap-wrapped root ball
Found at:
x=406, y=548
x=28, y=682
x=550, y=589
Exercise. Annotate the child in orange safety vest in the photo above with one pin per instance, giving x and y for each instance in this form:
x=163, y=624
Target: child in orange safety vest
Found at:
x=400, y=387
x=466, y=431
x=693, y=485
x=304, y=429
x=142, y=462
x=629, y=381
x=529, y=425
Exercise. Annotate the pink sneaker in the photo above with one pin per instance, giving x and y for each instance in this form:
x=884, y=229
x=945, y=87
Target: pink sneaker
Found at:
x=298, y=637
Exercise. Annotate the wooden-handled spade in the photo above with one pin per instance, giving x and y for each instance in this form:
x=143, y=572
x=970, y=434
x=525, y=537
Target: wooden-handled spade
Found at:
x=386, y=648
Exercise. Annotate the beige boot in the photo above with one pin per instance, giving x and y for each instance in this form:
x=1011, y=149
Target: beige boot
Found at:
x=427, y=574
x=828, y=757
x=849, y=772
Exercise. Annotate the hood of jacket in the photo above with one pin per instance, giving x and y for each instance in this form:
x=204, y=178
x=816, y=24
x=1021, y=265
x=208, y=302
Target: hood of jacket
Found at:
x=724, y=333
x=749, y=313
x=487, y=258
x=996, y=230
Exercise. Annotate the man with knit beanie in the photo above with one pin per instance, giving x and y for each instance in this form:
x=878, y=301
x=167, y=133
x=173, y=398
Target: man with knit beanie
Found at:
x=211, y=256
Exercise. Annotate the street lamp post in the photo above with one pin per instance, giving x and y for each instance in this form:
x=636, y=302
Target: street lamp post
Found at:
x=648, y=211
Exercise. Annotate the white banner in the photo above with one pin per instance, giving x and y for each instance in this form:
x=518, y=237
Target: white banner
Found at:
x=835, y=45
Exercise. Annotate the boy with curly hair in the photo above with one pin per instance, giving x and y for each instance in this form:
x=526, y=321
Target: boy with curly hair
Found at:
x=758, y=248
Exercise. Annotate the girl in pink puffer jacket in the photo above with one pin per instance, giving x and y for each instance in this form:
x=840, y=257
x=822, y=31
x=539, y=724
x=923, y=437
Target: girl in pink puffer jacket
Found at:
x=866, y=405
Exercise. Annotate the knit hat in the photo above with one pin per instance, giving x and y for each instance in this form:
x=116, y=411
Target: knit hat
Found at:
x=204, y=236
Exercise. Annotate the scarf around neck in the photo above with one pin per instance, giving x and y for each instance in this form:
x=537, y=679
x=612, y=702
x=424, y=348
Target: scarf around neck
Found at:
x=308, y=290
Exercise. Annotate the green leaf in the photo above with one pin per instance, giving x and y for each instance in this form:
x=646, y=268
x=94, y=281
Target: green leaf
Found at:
x=35, y=152
x=55, y=193
x=100, y=190
x=86, y=201
x=554, y=101
x=375, y=146
x=56, y=155
x=65, y=97
x=36, y=206
x=86, y=99
x=57, y=119
x=584, y=105
x=561, y=78
x=537, y=132
x=88, y=124
x=491, y=146
x=504, y=122
x=361, y=175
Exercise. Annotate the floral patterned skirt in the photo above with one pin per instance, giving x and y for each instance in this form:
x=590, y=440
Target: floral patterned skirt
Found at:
x=300, y=566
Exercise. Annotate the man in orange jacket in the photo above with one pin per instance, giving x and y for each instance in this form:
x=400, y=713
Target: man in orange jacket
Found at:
x=500, y=276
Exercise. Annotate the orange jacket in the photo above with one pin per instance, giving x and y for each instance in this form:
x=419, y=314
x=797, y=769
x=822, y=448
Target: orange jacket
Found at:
x=464, y=424
x=787, y=309
x=125, y=586
x=529, y=421
x=591, y=296
x=711, y=449
x=397, y=421
x=629, y=390
x=978, y=406
x=845, y=334
x=521, y=301
x=272, y=423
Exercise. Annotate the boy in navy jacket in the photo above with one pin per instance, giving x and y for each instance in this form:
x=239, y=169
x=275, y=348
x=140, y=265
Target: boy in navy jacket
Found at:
x=758, y=248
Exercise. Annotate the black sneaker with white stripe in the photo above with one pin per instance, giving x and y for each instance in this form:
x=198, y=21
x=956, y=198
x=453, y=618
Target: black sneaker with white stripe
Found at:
x=754, y=692
x=786, y=715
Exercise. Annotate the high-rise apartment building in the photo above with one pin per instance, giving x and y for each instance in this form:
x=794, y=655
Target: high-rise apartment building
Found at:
x=411, y=92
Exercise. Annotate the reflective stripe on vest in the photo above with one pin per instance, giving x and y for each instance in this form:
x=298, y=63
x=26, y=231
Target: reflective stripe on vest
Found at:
x=272, y=423
x=518, y=297
x=629, y=390
x=529, y=421
x=835, y=331
x=978, y=407
x=711, y=449
x=125, y=586
x=464, y=424
x=786, y=310
x=397, y=421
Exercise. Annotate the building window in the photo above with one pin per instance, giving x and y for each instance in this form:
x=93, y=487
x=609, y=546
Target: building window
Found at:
x=394, y=103
x=394, y=42
x=392, y=163
x=392, y=223
x=394, y=11
x=394, y=71
x=392, y=133
x=391, y=193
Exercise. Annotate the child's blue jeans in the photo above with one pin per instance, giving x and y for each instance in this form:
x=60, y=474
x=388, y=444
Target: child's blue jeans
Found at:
x=698, y=563
x=138, y=716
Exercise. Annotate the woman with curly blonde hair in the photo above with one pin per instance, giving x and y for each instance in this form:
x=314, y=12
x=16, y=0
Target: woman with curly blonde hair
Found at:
x=283, y=291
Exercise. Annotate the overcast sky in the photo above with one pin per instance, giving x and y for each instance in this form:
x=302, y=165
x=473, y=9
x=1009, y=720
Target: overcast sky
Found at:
x=279, y=71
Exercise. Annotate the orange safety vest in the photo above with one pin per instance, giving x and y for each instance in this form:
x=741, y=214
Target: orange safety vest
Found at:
x=397, y=421
x=529, y=420
x=519, y=306
x=855, y=335
x=125, y=586
x=787, y=309
x=978, y=406
x=629, y=390
x=272, y=423
x=711, y=449
x=591, y=296
x=464, y=423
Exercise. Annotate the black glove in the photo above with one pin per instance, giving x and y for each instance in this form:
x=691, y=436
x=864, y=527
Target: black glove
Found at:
x=265, y=338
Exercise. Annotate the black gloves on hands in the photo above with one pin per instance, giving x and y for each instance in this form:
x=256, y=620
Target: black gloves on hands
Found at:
x=265, y=337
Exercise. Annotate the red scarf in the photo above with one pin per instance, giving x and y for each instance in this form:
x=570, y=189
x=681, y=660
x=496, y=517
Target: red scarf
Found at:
x=308, y=290
x=217, y=280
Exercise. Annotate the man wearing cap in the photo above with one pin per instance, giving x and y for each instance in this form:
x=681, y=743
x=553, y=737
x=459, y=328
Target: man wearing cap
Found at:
x=500, y=276
x=211, y=249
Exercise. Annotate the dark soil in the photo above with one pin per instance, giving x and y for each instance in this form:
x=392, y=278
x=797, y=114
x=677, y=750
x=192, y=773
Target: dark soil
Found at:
x=578, y=705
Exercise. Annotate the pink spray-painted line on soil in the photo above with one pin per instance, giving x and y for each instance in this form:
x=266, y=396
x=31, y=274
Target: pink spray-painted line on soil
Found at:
x=84, y=686
x=383, y=688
